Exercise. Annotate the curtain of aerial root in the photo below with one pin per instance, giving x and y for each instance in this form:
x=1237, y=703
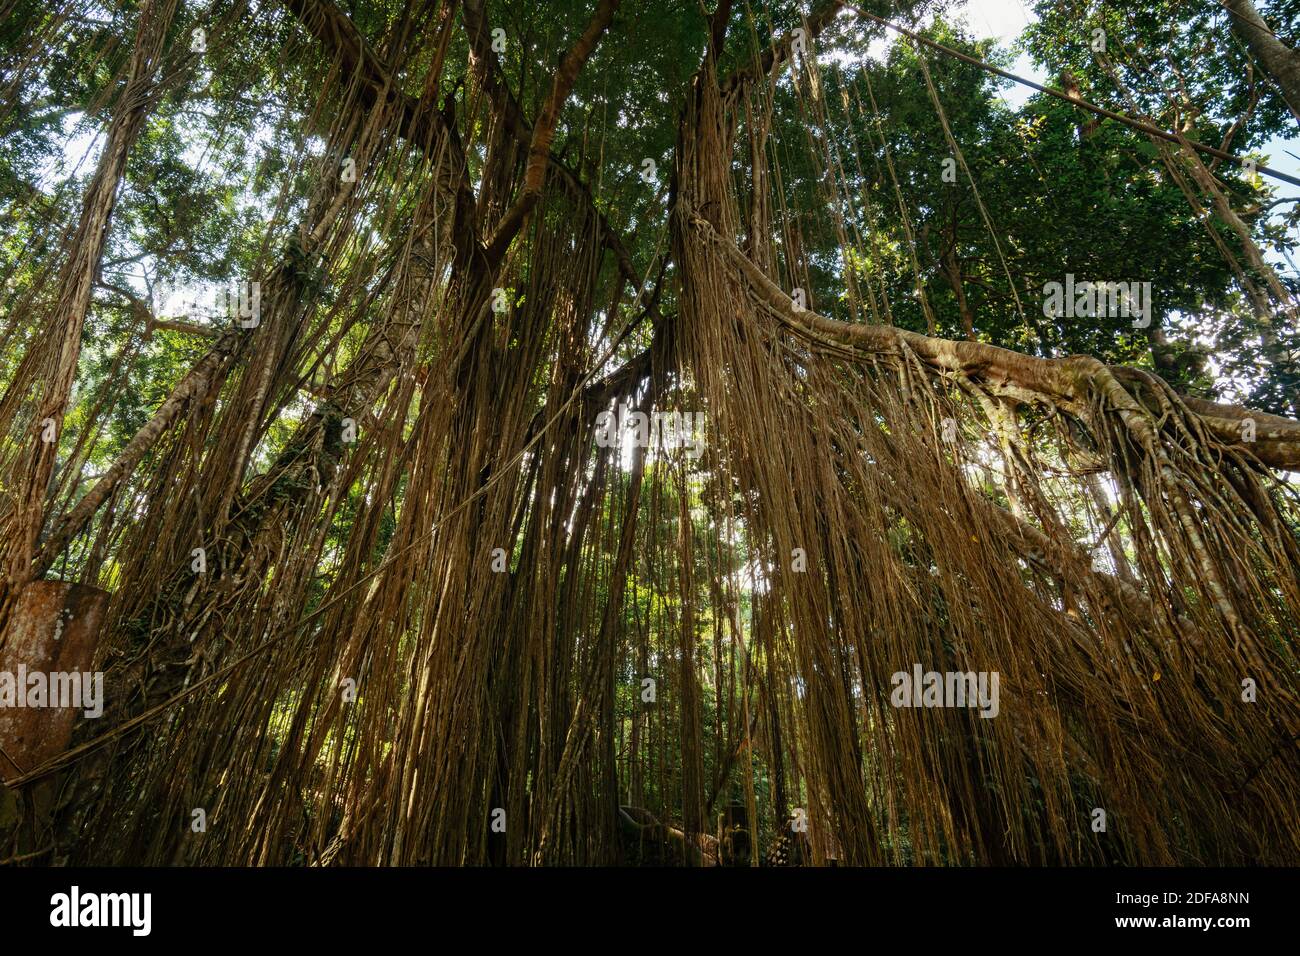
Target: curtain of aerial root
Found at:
x=227, y=561
x=214, y=543
x=441, y=641
x=1118, y=692
x=32, y=411
x=383, y=593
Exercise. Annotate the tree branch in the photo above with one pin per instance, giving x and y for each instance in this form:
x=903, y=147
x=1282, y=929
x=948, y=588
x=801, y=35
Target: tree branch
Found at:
x=539, y=148
x=426, y=129
x=142, y=310
x=194, y=384
x=488, y=69
x=782, y=51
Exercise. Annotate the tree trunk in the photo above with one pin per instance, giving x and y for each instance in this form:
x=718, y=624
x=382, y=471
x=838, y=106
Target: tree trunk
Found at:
x=1278, y=60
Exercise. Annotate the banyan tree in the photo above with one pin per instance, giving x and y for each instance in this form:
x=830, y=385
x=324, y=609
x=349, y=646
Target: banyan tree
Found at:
x=693, y=431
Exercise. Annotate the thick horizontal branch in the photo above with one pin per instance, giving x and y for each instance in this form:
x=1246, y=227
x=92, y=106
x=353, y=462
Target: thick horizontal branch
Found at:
x=622, y=381
x=1062, y=380
x=143, y=312
x=180, y=325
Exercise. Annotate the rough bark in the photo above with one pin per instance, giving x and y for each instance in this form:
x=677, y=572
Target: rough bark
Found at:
x=1280, y=61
